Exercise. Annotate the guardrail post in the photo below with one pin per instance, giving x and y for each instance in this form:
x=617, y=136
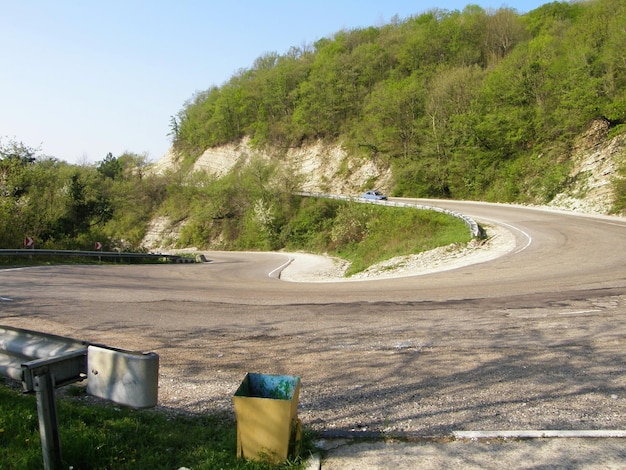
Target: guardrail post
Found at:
x=48, y=421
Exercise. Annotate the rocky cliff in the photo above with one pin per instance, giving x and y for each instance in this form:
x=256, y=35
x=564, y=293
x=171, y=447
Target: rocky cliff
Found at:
x=595, y=163
x=322, y=167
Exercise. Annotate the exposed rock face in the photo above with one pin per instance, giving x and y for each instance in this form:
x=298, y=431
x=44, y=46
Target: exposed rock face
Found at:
x=218, y=161
x=322, y=167
x=329, y=169
x=161, y=234
x=596, y=160
x=165, y=163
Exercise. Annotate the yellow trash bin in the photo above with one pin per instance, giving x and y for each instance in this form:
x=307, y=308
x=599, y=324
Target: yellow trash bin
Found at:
x=266, y=409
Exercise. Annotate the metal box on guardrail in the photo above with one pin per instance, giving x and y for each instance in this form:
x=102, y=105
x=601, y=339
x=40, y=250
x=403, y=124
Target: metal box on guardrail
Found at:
x=126, y=377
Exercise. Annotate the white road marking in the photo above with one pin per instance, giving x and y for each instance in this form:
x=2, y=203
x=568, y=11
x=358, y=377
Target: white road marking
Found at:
x=580, y=312
x=529, y=239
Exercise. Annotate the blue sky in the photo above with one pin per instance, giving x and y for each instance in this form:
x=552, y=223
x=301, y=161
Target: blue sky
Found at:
x=83, y=78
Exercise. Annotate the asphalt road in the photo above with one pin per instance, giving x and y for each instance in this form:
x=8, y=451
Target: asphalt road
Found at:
x=532, y=340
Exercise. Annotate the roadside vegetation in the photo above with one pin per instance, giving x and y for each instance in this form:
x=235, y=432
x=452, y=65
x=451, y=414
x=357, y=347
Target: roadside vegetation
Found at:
x=64, y=206
x=104, y=436
x=367, y=234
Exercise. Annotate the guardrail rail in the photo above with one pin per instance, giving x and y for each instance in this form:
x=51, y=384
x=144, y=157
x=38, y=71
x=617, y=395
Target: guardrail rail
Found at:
x=474, y=228
x=44, y=362
x=119, y=255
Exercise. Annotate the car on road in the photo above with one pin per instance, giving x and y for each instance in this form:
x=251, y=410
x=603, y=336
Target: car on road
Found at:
x=375, y=195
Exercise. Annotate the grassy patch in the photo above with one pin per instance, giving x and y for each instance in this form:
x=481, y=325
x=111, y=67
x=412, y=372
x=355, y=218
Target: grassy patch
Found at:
x=366, y=234
x=112, y=437
x=387, y=232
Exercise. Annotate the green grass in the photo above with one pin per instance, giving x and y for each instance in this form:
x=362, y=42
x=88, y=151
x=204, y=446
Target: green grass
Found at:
x=391, y=231
x=366, y=234
x=103, y=436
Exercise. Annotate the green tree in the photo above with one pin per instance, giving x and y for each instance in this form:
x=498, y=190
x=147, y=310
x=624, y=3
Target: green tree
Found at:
x=504, y=30
x=16, y=161
x=454, y=100
x=110, y=167
x=17, y=152
x=85, y=207
x=390, y=122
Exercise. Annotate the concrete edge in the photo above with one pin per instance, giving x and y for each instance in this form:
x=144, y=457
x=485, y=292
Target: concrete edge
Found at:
x=538, y=434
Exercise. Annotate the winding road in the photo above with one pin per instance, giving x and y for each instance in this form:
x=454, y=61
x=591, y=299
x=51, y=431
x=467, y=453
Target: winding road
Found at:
x=534, y=339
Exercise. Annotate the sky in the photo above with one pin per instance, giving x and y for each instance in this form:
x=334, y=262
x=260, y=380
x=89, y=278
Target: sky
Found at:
x=80, y=78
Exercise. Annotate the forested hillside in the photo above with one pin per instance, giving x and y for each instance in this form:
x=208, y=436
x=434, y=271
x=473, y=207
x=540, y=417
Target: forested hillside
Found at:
x=464, y=104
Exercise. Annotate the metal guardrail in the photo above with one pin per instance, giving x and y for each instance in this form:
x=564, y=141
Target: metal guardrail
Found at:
x=44, y=362
x=96, y=254
x=475, y=229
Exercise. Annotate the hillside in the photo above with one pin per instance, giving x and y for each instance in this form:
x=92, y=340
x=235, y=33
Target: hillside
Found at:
x=328, y=168
x=596, y=159
x=470, y=104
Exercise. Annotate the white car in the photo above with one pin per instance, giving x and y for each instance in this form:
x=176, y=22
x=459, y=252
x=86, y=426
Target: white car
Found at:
x=375, y=195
